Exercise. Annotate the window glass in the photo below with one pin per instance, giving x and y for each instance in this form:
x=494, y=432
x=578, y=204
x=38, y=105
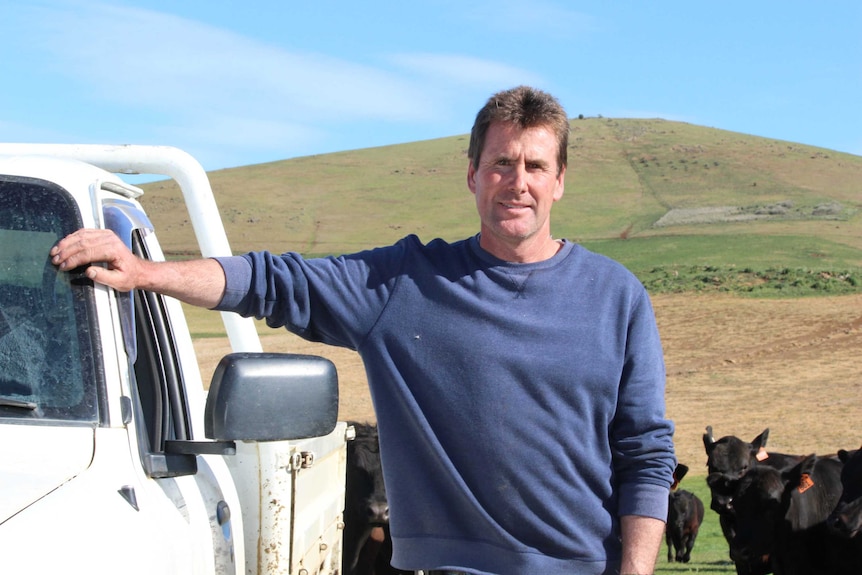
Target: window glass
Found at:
x=46, y=348
x=159, y=387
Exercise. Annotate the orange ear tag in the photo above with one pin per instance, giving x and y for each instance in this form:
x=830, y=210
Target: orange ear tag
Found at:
x=761, y=454
x=805, y=483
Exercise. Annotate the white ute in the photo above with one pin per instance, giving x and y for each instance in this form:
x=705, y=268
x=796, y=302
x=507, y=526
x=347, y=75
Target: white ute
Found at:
x=114, y=458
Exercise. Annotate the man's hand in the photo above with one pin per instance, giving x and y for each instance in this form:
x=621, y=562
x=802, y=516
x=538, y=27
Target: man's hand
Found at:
x=88, y=246
x=197, y=282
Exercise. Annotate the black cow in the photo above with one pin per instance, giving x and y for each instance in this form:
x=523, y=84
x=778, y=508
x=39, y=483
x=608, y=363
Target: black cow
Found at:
x=684, y=517
x=846, y=518
x=728, y=459
x=733, y=456
x=367, y=547
x=782, y=514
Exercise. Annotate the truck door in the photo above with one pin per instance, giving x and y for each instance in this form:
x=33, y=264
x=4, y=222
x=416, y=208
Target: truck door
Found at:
x=162, y=405
x=75, y=497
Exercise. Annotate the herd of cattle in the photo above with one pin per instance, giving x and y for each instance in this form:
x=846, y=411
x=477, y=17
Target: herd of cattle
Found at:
x=780, y=513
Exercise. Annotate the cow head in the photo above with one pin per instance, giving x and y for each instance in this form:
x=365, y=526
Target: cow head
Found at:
x=366, y=511
x=813, y=491
x=365, y=475
x=722, y=488
x=757, y=508
x=731, y=455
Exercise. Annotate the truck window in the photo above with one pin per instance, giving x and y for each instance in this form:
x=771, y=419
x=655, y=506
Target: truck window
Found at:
x=46, y=337
x=159, y=386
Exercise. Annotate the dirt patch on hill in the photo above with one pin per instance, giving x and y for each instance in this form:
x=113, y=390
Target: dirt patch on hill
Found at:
x=740, y=365
x=736, y=214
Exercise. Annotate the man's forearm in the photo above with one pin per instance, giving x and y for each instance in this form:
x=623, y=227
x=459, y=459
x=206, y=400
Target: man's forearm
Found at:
x=108, y=261
x=642, y=537
x=196, y=282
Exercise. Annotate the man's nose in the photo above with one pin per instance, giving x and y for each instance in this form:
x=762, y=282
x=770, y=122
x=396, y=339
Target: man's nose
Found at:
x=518, y=182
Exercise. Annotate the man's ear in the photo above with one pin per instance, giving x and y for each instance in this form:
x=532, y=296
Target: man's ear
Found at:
x=471, y=178
x=561, y=184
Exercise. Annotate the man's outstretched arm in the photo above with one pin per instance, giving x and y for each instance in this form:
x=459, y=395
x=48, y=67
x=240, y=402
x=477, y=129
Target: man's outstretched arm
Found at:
x=197, y=282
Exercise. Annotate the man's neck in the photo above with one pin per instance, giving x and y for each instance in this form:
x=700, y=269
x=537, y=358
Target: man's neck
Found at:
x=527, y=251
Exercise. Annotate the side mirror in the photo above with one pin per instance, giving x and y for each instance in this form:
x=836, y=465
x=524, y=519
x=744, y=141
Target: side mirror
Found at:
x=271, y=397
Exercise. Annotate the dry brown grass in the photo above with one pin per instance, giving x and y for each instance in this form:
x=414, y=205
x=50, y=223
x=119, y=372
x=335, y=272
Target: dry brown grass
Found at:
x=740, y=365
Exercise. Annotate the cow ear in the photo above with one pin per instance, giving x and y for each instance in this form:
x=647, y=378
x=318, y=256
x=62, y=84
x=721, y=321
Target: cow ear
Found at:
x=775, y=482
x=678, y=474
x=806, y=466
x=708, y=440
x=760, y=440
x=843, y=455
x=806, y=469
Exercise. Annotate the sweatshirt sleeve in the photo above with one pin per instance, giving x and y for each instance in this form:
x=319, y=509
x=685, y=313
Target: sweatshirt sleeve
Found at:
x=334, y=300
x=237, y=273
x=642, y=438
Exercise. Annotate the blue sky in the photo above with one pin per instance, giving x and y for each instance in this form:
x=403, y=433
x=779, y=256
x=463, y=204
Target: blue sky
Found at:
x=237, y=83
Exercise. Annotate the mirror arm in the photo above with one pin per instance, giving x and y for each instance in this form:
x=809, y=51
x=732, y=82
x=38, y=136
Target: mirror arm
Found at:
x=182, y=447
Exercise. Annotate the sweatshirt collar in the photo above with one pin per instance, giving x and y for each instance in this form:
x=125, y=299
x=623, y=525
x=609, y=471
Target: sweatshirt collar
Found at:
x=491, y=259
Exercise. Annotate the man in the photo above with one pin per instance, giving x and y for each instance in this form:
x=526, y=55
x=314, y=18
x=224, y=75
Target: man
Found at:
x=518, y=380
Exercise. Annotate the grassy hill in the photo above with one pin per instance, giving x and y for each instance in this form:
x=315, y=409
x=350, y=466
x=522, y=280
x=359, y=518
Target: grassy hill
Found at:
x=685, y=207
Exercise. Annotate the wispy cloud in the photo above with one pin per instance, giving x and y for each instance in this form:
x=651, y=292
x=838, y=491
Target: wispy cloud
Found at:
x=196, y=82
x=147, y=58
x=458, y=70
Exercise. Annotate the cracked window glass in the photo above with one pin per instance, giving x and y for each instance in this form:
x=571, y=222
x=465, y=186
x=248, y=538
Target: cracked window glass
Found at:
x=46, y=367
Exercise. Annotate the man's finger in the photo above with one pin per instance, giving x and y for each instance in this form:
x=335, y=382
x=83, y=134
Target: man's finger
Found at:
x=84, y=247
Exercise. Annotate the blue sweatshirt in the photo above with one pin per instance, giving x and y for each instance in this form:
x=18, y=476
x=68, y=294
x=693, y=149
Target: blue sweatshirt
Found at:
x=520, y=406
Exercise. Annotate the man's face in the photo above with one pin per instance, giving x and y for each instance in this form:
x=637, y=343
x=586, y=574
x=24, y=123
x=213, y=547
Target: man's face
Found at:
x=515, y=185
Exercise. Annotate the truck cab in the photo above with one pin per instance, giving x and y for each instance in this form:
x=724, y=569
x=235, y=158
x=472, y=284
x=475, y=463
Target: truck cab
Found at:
x=115, y=456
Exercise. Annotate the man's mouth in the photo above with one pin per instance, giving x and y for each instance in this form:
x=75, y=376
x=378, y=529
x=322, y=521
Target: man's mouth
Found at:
x=514, y=206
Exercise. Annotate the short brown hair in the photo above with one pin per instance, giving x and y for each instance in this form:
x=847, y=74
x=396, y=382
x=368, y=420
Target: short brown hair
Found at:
x=525, y=107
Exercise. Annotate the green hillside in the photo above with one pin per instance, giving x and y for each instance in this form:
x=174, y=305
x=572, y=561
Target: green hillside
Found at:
x=683, y=206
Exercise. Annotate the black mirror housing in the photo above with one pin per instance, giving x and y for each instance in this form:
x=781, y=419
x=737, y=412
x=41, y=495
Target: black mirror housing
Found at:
x=271, y=397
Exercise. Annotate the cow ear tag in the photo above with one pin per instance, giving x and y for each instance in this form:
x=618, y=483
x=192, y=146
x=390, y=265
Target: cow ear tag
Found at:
x=761, y=454
x=805, y=483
